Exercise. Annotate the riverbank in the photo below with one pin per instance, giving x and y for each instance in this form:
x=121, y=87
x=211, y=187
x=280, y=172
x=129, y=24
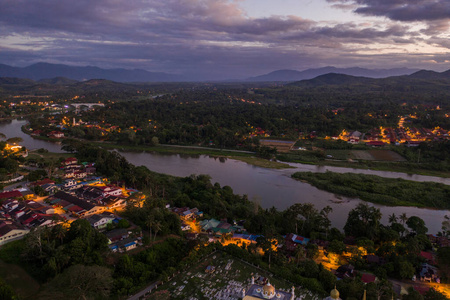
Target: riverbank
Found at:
x=244, y=156
x=385, y=166
x=306, y=157
x=379, y=190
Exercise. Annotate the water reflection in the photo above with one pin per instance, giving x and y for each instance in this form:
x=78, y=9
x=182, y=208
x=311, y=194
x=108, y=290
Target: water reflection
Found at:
x=266, y=186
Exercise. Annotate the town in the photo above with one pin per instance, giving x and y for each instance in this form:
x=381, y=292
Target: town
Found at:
x=71, y=190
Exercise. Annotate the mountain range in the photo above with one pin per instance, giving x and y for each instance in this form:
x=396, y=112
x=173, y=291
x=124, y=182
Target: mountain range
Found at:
x=40, y=71
x=293, y=75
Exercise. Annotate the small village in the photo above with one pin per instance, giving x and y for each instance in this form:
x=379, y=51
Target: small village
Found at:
x=80, y=194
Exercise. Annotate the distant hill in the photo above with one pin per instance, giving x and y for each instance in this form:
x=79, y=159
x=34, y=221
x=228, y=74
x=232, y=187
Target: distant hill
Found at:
x=293, y=75
x=42, y=71
x=335, y=79
x=58, y=81
x=423, y=74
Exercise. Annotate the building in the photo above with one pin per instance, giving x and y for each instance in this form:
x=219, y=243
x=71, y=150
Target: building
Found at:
x=334, y=295
x=266, y=291
x=10, y=231
x=281, y=146
x=70, y=161
x=76, y=205
x=100, y=221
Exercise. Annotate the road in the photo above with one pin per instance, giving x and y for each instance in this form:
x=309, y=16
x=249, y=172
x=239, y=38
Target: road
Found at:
x=144, y=291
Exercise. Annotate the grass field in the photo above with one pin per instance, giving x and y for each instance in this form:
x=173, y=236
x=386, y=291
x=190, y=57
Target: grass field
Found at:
x=47, y=155
x=372, y=155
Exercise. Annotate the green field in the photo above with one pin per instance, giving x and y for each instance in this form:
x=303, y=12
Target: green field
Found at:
x=371, y=155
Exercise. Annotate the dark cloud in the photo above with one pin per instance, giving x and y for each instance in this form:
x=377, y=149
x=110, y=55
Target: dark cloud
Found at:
x=212, y=38
x=399, y=10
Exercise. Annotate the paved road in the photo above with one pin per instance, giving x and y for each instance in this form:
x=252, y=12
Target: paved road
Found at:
x=144, y=291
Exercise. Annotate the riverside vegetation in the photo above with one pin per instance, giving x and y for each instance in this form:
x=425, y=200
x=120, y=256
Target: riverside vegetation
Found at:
x=376, y=189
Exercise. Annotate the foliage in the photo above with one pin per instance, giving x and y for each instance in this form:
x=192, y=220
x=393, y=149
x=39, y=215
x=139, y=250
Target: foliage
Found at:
x=386, y=191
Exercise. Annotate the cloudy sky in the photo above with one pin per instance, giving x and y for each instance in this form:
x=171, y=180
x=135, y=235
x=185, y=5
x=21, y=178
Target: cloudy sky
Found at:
x=226, y=38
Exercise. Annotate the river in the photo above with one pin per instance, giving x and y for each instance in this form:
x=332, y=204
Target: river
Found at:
x=268, y=187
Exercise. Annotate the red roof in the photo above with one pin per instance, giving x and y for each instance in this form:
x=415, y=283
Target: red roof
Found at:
x=75, y=209
x=42, y=182
x=10, y=194
x=367, y=278
x=426, y=255
x=375, y=143
x=421, y=289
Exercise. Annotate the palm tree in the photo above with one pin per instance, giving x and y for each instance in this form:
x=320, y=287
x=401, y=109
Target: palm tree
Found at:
x=59, y=232
x=156, y=227
x=403, y=218
x=392, y=218
x=149, y=223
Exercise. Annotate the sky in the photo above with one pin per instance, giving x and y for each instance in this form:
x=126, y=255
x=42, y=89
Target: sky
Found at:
x=226, y=39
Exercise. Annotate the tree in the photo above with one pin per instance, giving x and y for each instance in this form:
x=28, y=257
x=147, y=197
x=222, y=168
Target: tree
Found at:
x=443, y=255
x=403, y=218
x=405, y=269
x=432, y=294
x=156, y=227
x=412, y=295
x=446, y=226
x=363, y=221
x=327, y=279
x=337, y=247
x=312, y=251
x=392, y=219
x=82, y=282
x=14, y=140
x=417, y=225
x=6, y=292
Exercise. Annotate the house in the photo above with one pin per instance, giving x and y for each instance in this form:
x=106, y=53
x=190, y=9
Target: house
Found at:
x=50, y=188
x=10, y=194
x=100, y=221
x=117, y=234
x=79, y=174
x=345, y=271
x=123, y=245
x=109, y=190
x=191, y=236
x=428, y=256
x=42, y=182
x=90, y=170
x=70, y=184
x=375, y=144
x=55, y=134
x=10, y=231
x=114, y=202
x=185, y=227
x=413, y=143
x=374, y=260
x=37, y=132
x=280, y=145
x=368, y=278
x=70, y=161
x=297, y=239
x=78, y=206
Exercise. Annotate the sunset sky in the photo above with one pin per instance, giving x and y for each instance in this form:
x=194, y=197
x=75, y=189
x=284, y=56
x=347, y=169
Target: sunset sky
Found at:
x=226, y=38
